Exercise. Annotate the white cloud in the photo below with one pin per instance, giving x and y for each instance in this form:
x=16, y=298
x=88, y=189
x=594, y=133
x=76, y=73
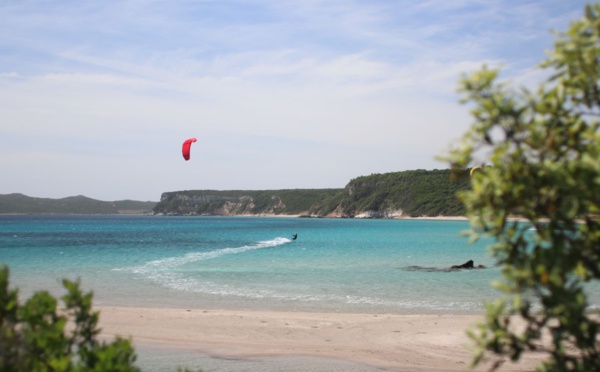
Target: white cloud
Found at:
x=9, y=75
x=279, y=93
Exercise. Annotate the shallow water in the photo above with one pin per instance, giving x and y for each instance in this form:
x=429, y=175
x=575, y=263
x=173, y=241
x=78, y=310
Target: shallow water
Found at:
x=251, y=263
x=153, y=359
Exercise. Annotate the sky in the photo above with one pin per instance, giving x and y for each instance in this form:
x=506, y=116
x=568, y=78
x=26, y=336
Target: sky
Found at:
x=97, y=97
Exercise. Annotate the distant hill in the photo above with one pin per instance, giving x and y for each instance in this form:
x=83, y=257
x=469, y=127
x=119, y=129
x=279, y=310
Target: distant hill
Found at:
x=19, y=203
x=389, y=195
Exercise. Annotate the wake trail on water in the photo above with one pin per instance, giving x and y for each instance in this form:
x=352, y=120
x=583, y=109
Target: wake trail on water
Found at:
x=170, y=263
x=164, y=271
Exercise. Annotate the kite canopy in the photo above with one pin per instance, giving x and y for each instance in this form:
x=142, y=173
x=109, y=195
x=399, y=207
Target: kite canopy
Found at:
x=185, y=149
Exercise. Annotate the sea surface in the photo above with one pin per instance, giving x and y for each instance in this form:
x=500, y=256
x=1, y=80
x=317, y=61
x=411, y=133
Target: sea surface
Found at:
x=335, y=265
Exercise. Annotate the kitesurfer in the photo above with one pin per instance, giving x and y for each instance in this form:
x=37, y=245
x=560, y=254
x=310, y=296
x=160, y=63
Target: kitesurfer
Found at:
x=295, y=236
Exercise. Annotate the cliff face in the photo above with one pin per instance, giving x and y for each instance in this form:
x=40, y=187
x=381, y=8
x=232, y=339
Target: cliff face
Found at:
x=239, y=203
x=389, y=195
x=182, y=203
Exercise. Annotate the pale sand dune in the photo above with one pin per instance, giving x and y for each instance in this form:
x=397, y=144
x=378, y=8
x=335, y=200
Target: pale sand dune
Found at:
x=395, y=342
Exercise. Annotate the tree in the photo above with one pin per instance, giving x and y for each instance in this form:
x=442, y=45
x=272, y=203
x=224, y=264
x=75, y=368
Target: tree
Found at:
x=541, y=152
x=36, y=336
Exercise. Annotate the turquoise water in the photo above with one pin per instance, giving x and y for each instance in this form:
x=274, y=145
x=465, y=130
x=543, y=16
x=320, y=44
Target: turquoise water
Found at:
x=335, y=265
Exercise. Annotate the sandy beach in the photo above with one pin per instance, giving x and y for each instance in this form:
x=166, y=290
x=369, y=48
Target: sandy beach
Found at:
x=390, y=342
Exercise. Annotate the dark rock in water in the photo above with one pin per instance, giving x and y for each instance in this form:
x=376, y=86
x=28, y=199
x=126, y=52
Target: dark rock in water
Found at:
x=467, y=265
x=426, y=269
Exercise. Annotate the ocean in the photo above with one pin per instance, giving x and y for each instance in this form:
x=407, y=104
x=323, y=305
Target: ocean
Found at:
x=335, y=265
x=251, y=263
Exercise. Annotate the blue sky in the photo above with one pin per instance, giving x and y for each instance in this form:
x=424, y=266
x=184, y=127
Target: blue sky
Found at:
x=96, y=97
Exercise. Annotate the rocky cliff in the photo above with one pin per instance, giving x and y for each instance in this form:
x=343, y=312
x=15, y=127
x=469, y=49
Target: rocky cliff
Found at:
x=240, y=203
x=389, y=195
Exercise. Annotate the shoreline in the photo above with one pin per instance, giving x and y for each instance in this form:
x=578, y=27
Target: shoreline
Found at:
x=425, y=218
x=399, y=217
x=386, y=341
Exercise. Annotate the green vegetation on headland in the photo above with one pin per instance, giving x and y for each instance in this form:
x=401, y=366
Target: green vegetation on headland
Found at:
x=415, y=193
x=239, y=202
x=23, y=204
x=409, y=194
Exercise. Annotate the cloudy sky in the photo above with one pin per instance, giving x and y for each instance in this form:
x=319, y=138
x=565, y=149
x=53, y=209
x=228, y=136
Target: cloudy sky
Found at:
x=96, y=97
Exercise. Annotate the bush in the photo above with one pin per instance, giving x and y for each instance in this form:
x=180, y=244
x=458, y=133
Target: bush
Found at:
x=36, y=336
x=543, y=166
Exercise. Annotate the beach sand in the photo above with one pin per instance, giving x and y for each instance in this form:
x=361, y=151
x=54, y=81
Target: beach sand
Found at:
x=389, y=342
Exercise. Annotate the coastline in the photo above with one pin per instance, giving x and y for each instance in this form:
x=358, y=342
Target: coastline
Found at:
x=382, y=341
x=424, y=218
x=437, y=218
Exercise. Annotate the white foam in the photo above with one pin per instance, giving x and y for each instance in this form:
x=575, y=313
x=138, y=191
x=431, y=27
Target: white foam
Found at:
x=161, y=271
x=173, y=262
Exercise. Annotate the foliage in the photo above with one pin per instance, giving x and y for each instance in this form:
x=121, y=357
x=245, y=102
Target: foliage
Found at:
x=416, y=193
x=210, y=202
x=542, y=149
x=36, y=336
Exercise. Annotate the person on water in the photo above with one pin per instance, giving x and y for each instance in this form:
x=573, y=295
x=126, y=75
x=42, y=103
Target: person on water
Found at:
x=295, y=236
